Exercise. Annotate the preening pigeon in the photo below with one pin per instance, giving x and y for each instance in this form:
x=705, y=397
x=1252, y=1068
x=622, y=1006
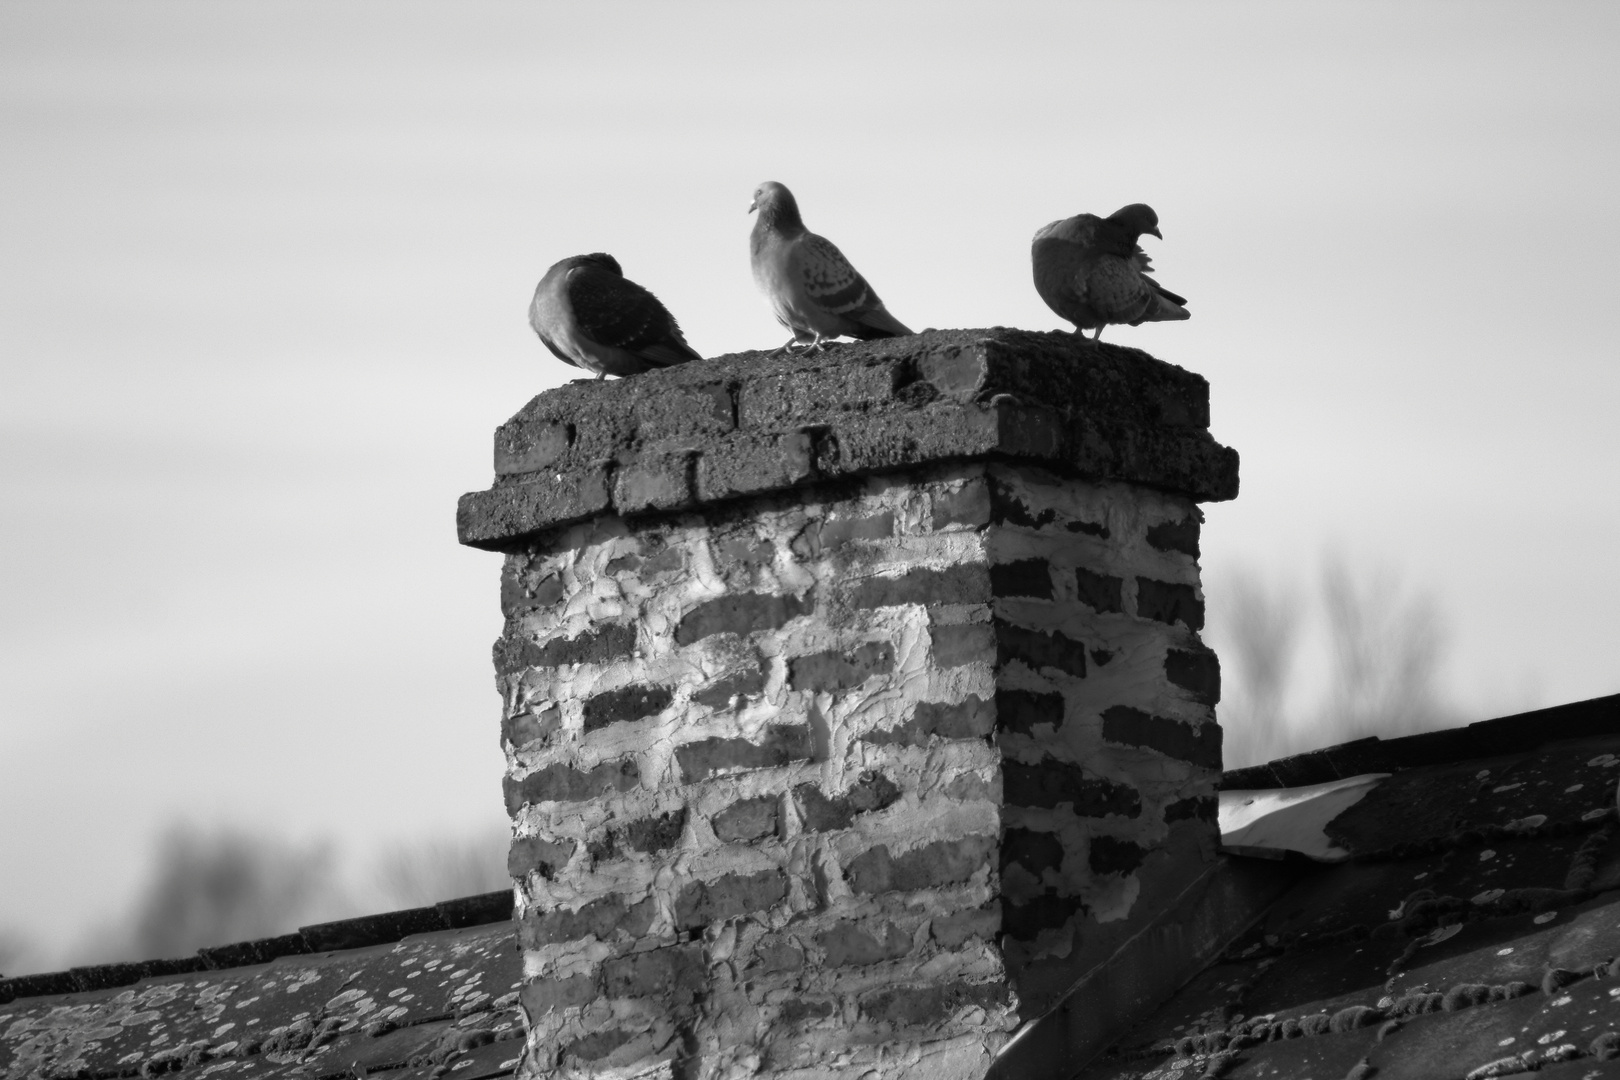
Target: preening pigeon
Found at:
x=813, y=289
x=1091, y=270
x=590, y=315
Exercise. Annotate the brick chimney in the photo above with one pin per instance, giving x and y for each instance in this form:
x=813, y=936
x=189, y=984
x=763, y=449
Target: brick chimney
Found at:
x=855, y=711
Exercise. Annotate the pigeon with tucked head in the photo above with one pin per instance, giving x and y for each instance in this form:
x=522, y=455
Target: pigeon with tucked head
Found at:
x=1093, y=272
x=591, y=316
x=813, y=290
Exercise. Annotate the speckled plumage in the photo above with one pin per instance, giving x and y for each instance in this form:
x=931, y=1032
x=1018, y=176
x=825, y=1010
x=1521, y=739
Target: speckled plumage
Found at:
x=1093, y=272
x=813, y=290
x=593, y=317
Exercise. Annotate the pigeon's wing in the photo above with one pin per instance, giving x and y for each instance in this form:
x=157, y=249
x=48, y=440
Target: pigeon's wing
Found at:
x=830, y=281
x=616, y=312
x=538, y=310
x=1144, y=265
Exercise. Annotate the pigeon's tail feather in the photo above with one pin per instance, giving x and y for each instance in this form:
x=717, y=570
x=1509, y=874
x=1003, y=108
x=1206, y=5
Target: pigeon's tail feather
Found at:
x=1165, y=308
x=1168, y=295
x=878, y=323
x=669, y=353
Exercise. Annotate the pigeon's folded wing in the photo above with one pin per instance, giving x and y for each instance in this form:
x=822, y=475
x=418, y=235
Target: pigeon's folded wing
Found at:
x=829, y=279
x=620, y=314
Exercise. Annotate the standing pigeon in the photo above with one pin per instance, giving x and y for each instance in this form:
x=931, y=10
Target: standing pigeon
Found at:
x=1091, y=271
x=813, y=289
x=590, y=315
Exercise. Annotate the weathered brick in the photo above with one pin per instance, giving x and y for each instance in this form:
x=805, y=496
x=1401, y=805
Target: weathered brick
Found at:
x=726, y=689
x=1199, y=744
x=542, y=996
x=849, y=944
x=1039, y=649
x=829, y=671
x=779, y=745
x=810, y=393
x=685, y=411
x=524, y=728
x=1199, y=673
x=1011, y=507
x=967, y=505
x=971, y=718
x=1100, y=592
x=1194, y=808
x=597, y=1045
x=1051, y=783
x=944, y=862
x=1180, y=535
x=564, y=783
x=750, y=464
x=957, y=372
x=627, y=704
x=1169, y=602
x=1034, y=851
x=598, y=919
x=529, y=447
x=521, y=594
x=536, y=853
x=1026, y=577
x=958, y=928
x=778, y=956
x=741, y=613
x=498, y=517
x=968, y=583
x=795, y=1009
x=962, y=643
x=746, y=819
x=1022, y=710
x=655, y=483
x=873, y=791
x=914, y=1006
x=1048, y=911
x=601, y=646
x=1111, y=855
x=704, y=902
x=825, y=535
x=674, y=975
x=648, y=835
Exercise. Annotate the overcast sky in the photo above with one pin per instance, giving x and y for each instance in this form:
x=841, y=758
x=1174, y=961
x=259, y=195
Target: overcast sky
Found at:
x=263, y=278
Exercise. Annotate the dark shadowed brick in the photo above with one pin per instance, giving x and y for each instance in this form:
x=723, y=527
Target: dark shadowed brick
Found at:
x=943, y=862
x=1196, y=808
x=597, y=1045
x=553, y=995
x=1199, y=744
x=967, y=505
x=962, y=643
x=564, y=783
x=599, y=919
x=524, y=728
x=704, y=902
x=1088, y=528
x=956, y=929
x=602, y=646
x=1048, y=911
x=1168, y=602
x=780, y=745
x=1026, y=577
x=913, y=1006
x=1199, y=673
x=798, y=1008
x=648, y=835
x=1100, y=592
x=520, y=594
x=968, y=583
x=743, y=613
x=1011, y=509
x=1053, y=782
x=778, y=956
x=1100, y=657
x=873, y=791
x=1021, y=710
x=721, y=693
x=1034, y=851
x=746, y=819
x=1179, y=536
x=851, y=945
x=829, y=671
x=625, y=705
x=529, y=853
x=675, y=975
x=971, y=718
x=825, y=535
x=1111, y=855
x=1039, y=649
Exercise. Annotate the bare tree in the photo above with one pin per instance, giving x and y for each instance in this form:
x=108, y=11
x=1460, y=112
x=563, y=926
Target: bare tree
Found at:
x=426, y=872
x=1386, y=644
x=1259, y=626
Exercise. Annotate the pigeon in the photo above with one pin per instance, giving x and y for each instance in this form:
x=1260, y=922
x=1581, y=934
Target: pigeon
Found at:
x=590, y=315
x=1091, y=271
x=813, y=289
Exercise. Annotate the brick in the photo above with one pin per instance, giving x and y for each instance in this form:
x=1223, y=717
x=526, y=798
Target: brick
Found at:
x=525, y=729
x=1111, y=855
x=958, y=928
x=914, y=1006
x=944, y=862
x=1022, y=710
x=958, y=372
x=1169, y=602
x=1026, y=577
x=751, y=464
x=675, y=975
x=971, y=718
x=852, y=945
x=1012, y=508
x=564, y=783
x=823, y=536
x=780, y=745
x=795, y=397
x=1181, y=535
x=795, y=1009
x=829, y=671
x=965, y=584
x=1039, y=649
x=648, y=835
x=520, y=594
x=536, y=853
x=528, y=447
x=704, y=902
x=598, y=919
x=1048, y=911
x=602, y=646
x=1052, y=783
x=1034, y=851
x=626, y=705
x=742, y=613
x=597, y=1045
x=873, y=791
x=1199, y=673
x=685, y=411
x=746, y=819
x=1199, y=744
x=962, y=643
x=543, y=996
x=655, y=483
x=1100, y=592
x=967, y=505
x=725, y=690
x=778, y=956
x=502, y=515
x=1193, y=808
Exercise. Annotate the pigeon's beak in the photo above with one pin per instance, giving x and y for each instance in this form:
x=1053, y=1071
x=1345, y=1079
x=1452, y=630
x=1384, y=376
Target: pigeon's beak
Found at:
x=1155, y=231
x=753, y=206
